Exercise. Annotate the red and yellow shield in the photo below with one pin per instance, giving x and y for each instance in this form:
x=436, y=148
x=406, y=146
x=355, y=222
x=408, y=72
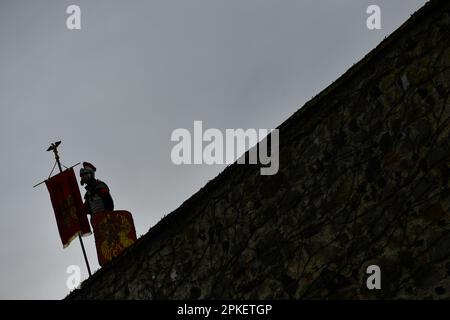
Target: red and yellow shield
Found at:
x=113, y=231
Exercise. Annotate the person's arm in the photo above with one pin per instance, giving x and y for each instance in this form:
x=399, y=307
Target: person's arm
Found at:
x=86, y=209
x=107, y=199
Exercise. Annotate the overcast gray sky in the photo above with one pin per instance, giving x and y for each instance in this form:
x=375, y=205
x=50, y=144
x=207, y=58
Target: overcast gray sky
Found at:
x=114, y=91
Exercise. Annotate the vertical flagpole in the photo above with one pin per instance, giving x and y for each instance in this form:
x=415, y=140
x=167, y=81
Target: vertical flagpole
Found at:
x=54, y=147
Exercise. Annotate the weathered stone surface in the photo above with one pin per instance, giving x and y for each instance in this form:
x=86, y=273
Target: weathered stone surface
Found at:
x=364, y=179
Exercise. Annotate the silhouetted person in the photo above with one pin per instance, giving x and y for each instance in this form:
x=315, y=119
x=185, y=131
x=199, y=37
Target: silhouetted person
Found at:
x=97, y=197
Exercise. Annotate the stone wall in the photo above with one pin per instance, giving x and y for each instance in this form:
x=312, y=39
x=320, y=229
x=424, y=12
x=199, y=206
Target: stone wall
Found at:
x=363, y=179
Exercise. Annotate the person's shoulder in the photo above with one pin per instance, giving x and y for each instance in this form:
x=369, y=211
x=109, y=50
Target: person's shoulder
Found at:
x=101, y=185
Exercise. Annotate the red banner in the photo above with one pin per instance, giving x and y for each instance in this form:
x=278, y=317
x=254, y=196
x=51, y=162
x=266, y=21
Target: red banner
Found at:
x=113, y=231
x=68, y=206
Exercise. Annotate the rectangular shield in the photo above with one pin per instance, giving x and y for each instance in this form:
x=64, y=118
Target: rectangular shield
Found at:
x=113, y=231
